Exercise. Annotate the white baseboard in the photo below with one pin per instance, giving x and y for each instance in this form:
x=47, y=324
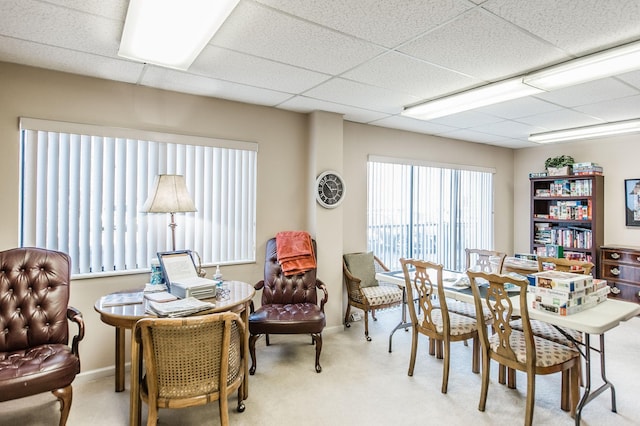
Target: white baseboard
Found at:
x=99, y=373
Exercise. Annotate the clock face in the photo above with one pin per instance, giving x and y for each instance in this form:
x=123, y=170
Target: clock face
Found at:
x=329, y=189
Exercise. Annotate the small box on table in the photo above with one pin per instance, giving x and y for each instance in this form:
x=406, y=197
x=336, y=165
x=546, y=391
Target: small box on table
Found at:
x=563, y=281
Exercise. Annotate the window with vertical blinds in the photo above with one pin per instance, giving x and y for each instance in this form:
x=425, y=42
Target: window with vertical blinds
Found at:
x=430, y=212
x=82, y=189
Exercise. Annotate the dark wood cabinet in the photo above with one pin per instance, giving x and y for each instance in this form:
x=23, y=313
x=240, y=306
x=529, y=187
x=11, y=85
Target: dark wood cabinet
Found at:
x=568, y=211
x=620, y=266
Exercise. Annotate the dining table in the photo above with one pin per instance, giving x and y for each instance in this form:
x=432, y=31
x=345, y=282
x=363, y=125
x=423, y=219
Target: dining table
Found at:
x=594, y=321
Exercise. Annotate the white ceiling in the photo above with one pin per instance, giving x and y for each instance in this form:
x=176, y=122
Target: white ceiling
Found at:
x=365, y=59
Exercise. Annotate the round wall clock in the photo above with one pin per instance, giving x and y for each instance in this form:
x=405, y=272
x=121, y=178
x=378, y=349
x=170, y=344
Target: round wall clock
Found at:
x=329, y=189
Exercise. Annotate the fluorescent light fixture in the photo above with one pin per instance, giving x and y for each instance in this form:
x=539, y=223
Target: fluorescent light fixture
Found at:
x=599, y=65
x=171, y=33
x=587, y=132
x=471, y=99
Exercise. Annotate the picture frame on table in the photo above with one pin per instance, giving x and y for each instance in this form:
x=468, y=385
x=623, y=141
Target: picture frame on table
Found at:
x=632, y=201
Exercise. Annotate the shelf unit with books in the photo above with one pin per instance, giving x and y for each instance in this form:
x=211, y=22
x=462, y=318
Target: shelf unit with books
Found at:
x=568, y=212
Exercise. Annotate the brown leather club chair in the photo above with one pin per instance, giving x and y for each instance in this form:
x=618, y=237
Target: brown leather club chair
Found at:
x=34, y=313
x=289, y=305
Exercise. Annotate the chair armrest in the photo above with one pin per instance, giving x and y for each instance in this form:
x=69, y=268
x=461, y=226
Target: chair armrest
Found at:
x=320, y=285
x=74, y=315
x=380, y=264
x=259, y=285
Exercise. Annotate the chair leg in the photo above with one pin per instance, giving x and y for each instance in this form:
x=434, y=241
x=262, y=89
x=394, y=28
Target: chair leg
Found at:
x=414, y=349
x=241, y=406
x=224, y=408
x=511, y=378
x=486, y=363
x=445, y=366
x=432, y=347
x=373, y=314
x=565, y=402
x=347, y=320
x=576, y=376
x=65, y=396
x=317, y=338
x=531, y=398
x=366, y=325
x=252, y=352
x=475, y=357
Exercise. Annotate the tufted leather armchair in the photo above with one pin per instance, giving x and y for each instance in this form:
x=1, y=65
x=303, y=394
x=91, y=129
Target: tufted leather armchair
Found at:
x=34, y=352
x=289, y=305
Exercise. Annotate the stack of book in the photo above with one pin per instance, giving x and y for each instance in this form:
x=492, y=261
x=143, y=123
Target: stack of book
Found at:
x=587, y=169
x=565, y=293
x=178, y=308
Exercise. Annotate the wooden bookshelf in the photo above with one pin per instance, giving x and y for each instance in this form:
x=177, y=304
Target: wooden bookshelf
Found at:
x=568, y=211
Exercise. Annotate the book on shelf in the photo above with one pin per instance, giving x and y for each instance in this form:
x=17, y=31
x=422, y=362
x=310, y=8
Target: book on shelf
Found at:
x=554, y=250
x=120, y=299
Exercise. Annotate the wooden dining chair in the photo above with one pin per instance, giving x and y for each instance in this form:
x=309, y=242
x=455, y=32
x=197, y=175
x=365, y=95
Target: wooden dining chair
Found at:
x=423, y=281
x=519, y=350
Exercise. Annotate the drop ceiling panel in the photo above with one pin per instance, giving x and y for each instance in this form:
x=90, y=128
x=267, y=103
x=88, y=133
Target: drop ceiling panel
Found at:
x=65, y=60
x=577, y=27
x=481, y=45
x=181, y=82
x=237, y=67
x=406, y=123
x=61, y=27
x=589, y=93
x=517, y=108
x=307, y=105
x=260, y=31
x=387, y=23
x=361, y=95
x=615, y=110
x=562, y=119
x=508, y=129
x=467, y=119
x=114, y=9
x=402, y=73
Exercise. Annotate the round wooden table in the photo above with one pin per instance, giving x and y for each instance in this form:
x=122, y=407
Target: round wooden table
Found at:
x=124, y=317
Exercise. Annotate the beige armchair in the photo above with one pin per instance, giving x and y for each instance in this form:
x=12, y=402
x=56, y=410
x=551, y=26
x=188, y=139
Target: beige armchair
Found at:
x=364, y=291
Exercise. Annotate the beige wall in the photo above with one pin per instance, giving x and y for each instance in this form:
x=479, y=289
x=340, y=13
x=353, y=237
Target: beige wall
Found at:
x=620, y=158
x=293, y=148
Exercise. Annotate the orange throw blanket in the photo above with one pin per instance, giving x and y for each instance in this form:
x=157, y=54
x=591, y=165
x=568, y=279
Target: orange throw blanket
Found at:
x=295, y=252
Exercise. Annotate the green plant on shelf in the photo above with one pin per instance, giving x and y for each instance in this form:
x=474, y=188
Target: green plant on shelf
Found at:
x=559, y=161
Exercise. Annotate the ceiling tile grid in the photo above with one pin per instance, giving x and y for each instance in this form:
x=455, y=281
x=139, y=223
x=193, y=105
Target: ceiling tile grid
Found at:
x=364, y=59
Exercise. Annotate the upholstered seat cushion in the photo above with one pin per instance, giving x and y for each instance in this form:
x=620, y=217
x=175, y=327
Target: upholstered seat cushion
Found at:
x=381, y=295
x=467, y=309
x=459, y=324
x=549, y=332
x=35, y=370
x=548, y=353
x=292, y=318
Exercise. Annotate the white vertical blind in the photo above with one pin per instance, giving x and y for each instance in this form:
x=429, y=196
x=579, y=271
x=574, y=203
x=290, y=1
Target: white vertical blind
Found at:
x=83, y=187
x=428, y=211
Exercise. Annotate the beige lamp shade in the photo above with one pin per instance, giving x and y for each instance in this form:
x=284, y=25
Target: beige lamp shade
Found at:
x=169, y=195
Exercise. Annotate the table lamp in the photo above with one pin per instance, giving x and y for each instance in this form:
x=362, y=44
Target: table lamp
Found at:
x=169, y=195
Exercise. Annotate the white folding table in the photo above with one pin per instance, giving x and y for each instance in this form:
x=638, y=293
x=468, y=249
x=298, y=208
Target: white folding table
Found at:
x=593, y=321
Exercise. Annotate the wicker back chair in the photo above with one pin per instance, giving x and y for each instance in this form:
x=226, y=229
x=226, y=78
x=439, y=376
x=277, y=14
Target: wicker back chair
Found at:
x=364, y=291
x=424, y=284
x=191, y=361
x=520, y=350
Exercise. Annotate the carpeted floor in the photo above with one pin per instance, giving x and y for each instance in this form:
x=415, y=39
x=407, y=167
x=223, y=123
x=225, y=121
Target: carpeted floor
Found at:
x=363, y=384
